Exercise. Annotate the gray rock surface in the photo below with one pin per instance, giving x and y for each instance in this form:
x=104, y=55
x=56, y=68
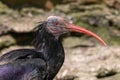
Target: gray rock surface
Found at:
x=90, y=63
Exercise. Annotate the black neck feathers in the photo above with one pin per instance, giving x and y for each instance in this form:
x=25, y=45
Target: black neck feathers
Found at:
x=45, y=41
x=41, y=34
x=51, y=49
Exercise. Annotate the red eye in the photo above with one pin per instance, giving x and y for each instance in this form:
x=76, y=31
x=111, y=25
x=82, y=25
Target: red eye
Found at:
x=55, y=23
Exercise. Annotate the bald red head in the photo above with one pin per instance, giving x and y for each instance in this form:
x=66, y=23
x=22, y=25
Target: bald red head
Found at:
x=57, y=26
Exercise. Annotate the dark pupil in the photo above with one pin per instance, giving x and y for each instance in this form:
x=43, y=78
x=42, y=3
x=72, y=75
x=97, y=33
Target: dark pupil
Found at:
x=55, y=23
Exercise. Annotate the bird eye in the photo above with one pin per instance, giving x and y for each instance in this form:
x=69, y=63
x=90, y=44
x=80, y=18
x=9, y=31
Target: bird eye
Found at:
x=56, y=23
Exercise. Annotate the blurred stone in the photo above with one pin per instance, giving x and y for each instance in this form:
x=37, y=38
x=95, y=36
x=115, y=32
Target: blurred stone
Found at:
x=117, y=4
x=6, y=41
x=115, y=77
x=48, y=4
x=109, y=2
x=89, y=1
x=4, y=29
x=113, y=3
x=66, y=8
x=87, y=64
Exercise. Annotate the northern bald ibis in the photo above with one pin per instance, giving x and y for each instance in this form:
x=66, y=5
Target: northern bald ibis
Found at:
x=43, y=62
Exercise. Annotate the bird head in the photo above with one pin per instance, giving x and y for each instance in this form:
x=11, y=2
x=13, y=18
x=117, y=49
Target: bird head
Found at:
x=57, y=26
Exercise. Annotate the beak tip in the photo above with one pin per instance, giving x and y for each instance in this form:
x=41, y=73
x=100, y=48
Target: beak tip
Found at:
x=82, y=30
x=104, y=44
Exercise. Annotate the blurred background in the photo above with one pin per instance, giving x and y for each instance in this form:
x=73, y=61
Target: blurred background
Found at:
x=86, y=59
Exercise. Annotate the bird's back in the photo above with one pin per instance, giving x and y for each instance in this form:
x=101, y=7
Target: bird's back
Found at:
x=22, y=64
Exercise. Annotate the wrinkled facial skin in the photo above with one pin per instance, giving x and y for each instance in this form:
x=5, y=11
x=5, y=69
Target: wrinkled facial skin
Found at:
x=56, y=26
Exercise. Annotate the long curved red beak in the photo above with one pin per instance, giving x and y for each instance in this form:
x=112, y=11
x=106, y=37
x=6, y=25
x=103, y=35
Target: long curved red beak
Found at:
x=74, y=28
